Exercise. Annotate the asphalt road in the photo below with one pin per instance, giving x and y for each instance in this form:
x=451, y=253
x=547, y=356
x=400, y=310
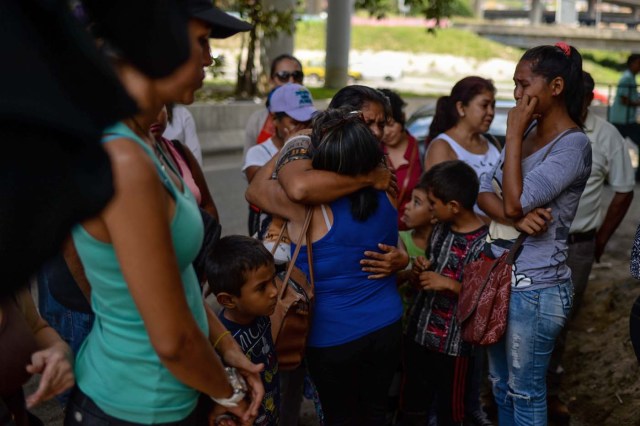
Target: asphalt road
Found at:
x=227, y=185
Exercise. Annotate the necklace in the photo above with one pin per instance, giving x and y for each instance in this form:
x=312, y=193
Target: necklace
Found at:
x=160, y=154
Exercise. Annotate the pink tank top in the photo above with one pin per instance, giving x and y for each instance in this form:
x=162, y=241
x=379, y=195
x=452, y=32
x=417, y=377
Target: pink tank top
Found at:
x=185, y=171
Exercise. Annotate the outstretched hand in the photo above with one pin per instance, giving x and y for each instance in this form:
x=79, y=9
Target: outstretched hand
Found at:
x=381, y=264
x=56, y=367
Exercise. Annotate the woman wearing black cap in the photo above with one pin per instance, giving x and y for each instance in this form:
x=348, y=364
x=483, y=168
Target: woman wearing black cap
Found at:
x=152, y=350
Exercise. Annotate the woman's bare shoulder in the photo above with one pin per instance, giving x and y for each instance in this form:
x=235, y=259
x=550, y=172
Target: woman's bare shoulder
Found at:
x=130, y=161
x=439, y=150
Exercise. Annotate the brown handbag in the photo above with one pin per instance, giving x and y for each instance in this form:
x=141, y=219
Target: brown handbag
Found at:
x=291, y=320
x=483, y=303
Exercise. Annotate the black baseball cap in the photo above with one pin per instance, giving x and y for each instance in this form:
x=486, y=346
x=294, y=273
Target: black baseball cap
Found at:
x=222, y=24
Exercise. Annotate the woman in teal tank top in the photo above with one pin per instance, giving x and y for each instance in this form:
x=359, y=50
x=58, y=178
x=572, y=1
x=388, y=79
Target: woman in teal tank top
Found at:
x=151, y=353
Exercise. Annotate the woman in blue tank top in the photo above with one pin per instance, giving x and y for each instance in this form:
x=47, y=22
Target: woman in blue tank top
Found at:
x=354, y=343
x=151, y=353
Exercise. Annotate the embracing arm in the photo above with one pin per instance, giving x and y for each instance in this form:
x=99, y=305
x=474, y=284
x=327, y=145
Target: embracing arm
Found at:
x=266, y=193
x=303, y=184
x=137, y=221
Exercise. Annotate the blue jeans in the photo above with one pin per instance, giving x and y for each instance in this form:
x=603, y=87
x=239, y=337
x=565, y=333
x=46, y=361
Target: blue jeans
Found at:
x=518, y=362
x=72, y=326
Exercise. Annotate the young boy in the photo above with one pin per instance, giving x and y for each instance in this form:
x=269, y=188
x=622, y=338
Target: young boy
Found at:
x=436, y=358
x=241, y=272
x=418, y=219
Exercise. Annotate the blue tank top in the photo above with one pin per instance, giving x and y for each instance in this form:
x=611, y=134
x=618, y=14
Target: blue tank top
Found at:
x=348, y=304
x=116, y=366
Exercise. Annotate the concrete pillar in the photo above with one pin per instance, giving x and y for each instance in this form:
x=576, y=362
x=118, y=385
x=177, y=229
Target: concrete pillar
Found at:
x=535, y=14
x=591, y=9
x=283, y=43
x=566, y=13
x=477, y=9
x=338, y=42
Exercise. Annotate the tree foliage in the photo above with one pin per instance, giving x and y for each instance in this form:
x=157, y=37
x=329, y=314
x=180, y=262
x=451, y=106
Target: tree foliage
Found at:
x=430, y=9
x=268, y=23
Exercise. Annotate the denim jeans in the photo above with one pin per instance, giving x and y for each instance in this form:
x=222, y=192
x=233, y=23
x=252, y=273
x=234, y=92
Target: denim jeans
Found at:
x=72, y=326
x=518, y=362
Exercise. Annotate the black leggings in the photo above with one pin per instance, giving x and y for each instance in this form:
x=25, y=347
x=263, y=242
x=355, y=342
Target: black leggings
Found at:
x=353, y=379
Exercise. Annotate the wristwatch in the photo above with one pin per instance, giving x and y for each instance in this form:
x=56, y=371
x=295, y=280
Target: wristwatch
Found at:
x=238, y=385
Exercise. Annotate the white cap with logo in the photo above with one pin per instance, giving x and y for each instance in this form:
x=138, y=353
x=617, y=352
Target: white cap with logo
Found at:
x=294, y=100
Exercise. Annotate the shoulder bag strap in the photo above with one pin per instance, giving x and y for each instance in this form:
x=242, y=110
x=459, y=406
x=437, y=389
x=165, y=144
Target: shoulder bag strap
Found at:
x=280, y=235
x=515, y=248
x=304, y=232
x=309, y=248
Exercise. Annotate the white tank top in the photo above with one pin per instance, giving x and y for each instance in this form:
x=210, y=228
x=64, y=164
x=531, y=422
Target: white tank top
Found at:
x=481, y=163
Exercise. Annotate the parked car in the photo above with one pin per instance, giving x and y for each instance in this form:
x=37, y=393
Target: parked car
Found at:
x=419, y=122
x=314, y=73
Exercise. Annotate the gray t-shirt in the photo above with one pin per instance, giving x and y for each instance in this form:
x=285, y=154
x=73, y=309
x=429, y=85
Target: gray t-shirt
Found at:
x=555, y=181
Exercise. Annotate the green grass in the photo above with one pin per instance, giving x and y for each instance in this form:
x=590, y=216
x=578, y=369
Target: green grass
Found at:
x=311, y=35
x=604, y=66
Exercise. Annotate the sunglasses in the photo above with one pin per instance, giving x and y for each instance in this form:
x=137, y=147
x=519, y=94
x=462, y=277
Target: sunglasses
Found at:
x=285, y=75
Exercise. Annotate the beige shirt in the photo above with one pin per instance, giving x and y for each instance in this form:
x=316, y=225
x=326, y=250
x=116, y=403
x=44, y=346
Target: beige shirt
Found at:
x=611, y=163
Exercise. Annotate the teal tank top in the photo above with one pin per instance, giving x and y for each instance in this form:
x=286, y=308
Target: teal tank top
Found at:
x=116, y=366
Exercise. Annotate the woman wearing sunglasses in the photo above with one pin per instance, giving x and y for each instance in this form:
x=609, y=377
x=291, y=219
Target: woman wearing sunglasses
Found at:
x=284, y=69
x=260, y=127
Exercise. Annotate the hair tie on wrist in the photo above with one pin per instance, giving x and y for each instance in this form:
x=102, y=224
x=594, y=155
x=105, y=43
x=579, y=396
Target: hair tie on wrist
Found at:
x=566, y=49
x=215, y=345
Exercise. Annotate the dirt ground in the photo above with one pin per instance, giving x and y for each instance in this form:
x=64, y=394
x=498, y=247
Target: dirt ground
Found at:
x=602, y=379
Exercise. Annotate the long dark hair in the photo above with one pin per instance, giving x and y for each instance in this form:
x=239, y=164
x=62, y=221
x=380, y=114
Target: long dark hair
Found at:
x=343, y=143
x=464, y=91
x=551, y=62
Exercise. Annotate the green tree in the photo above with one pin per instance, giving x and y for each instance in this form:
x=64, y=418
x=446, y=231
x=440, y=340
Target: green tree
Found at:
x=431, y=9
x=267, y=23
